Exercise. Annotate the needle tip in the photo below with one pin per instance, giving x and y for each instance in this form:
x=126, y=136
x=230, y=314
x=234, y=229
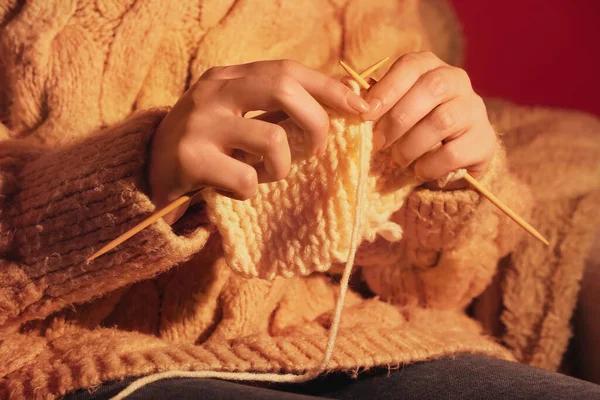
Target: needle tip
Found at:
x=355, y=75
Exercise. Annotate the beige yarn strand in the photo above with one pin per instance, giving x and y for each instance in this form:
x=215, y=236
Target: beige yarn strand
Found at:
x=312, y=373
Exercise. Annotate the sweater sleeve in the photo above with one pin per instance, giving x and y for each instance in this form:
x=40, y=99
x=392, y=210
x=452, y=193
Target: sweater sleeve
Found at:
x=451, y=243
x=59, y=207
x=557, y=153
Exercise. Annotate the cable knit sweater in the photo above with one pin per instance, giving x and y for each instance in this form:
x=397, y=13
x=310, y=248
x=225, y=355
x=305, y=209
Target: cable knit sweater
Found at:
x=83, y=85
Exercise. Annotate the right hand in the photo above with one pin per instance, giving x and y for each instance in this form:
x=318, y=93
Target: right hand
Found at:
x=193, y=145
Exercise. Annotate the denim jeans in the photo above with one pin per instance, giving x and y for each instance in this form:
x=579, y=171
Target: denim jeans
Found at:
x=465, y=376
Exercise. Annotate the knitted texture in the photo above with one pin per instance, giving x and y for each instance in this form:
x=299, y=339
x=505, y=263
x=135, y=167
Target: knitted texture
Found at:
x=303, y=223
x=97, y=198
x=73, y=152
x=300, y=224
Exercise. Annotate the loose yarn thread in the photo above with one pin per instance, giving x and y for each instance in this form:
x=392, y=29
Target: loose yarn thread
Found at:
x=355, y=238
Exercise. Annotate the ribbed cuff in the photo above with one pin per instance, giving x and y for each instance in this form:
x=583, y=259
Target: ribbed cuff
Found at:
x=74, y=201
x=432, y=219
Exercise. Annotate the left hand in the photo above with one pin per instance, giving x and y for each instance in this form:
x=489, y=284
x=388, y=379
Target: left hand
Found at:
x=422, y=102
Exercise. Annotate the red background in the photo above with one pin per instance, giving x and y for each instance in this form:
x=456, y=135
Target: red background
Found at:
x=537, y=52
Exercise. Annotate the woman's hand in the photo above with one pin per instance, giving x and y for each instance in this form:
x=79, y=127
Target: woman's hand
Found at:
x=193, y=145
x=423, y=102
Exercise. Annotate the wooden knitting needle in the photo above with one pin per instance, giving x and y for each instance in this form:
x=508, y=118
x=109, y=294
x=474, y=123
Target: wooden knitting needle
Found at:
x=373, y=68
x=355, y=75
x=144, y=224
x=472, y=181
x=490, y=196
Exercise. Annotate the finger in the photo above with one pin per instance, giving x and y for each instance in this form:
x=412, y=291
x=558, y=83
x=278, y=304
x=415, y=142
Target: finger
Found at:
x=371, y=81
x=271, y=93
x=472, y=150
x=450, y=119
x=177, y=213
x=294, y=133
x=401, y=76
x=325, y=89
x=262, y=174
x=432, y=89
x=228, y=175
x=261, y=139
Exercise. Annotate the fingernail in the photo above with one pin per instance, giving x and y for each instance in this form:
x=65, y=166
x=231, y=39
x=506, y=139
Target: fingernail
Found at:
x=398, y=157
x=374, y=105
x=268, y=167
x=371, y=81
x=378, y=140
x=374, y=108
x=357, y=103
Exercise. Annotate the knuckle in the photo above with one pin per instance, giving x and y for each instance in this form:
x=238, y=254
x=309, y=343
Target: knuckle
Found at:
x=422, y=60
x=282, y=86
x=444, y=119
x=463, y=75
x=276, y=137
x=247, y=184
x=453, y=156
x=437, y=83
x=410, y=58
x=287, y=67
x=213, y=72
x=399, y=119
x=427, y=55
x=427, y=59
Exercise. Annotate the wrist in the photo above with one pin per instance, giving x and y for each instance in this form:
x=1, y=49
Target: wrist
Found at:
x=161, y=175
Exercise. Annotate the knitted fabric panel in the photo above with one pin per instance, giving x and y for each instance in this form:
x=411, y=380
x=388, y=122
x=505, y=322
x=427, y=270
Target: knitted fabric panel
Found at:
x=302, y=223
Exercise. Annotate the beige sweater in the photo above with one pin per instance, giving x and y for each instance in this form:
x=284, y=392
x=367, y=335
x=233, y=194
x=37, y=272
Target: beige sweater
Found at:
x=463, y=278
